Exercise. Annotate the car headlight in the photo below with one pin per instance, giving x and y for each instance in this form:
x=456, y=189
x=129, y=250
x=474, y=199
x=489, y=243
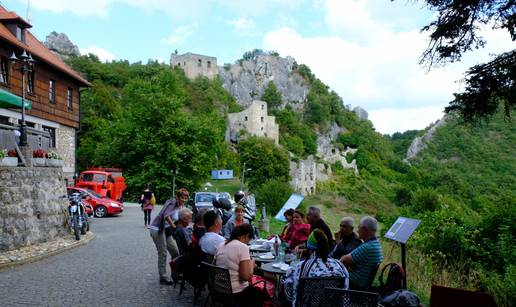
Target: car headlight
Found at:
x=115, y=205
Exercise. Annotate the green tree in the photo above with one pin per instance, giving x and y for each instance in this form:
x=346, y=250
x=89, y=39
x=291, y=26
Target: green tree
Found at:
x=266, y=160
x=273, y=193
x=272, y=96
x=455, y=31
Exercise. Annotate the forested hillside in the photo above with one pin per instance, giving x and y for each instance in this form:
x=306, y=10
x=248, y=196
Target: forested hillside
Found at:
x=150, y=119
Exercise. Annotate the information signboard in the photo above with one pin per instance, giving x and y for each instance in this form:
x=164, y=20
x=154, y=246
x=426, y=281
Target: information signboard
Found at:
x=292, y=203
x=402, y=229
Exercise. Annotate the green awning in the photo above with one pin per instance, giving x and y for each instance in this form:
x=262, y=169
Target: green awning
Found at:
x=9, y=100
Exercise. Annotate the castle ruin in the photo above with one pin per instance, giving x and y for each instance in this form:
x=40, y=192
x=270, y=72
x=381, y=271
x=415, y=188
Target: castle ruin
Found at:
x=253, y=121
x=195, y=65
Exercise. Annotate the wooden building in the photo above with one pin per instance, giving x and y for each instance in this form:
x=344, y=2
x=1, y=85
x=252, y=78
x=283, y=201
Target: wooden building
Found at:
x=52, y=91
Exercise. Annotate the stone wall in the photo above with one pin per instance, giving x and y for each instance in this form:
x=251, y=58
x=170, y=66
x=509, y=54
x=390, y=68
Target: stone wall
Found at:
x=253, y=121
x=195, y=65
x=30, y=208
x=65, y=147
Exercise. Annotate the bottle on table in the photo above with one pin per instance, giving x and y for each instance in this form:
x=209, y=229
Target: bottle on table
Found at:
x=276, y=246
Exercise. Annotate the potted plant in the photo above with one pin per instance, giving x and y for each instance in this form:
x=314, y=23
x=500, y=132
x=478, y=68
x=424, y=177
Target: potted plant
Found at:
x=39, y=157
x=8, y=158
x=54, y=160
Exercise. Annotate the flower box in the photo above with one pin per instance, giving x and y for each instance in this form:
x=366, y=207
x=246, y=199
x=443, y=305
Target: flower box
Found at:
x=54, y=163
x=39, y=161
x=9, y=161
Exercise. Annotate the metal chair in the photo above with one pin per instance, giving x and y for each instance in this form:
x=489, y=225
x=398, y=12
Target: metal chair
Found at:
x=219, y=286
x=310, y=291
x=349, y=298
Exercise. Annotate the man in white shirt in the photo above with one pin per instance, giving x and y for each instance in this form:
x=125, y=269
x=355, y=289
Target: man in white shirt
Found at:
x=212, y=239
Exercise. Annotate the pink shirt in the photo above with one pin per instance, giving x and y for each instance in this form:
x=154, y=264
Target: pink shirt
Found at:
x=229, y=256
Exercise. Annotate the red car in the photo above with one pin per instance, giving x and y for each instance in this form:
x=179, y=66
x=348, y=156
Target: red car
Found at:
x=102, y=206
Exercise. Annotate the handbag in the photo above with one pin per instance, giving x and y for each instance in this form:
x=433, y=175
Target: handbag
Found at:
x=153, y=200
x=262, y=285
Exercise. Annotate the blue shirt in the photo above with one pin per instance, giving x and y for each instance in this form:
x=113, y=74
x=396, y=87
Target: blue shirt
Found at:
x=365, y=258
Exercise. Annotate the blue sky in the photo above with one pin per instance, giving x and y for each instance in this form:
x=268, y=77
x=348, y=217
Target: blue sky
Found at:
x=366, y=50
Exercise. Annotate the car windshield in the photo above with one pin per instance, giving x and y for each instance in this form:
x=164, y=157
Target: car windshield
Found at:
x=204, y=197
x=94, y=193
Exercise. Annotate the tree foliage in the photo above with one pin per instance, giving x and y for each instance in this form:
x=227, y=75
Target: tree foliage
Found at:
x=457, y=30
x=272, y=96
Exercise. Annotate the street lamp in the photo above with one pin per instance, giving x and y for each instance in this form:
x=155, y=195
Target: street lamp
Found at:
x=243, y=176
x=25, y=64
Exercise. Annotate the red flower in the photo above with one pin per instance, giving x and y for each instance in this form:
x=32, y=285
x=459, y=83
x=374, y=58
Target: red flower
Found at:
x=39, y=153
x=12, y=153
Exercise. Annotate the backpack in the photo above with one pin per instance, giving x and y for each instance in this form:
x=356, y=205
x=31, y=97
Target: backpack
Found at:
x=393, y=282
x=401, y=298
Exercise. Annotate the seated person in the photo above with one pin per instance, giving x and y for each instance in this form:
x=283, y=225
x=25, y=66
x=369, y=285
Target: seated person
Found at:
x=345, y=240
x=300, y=230
x=198, y=228
x=236, y=220
x=313, y=218
x=317, y=265
x=363, y=259
x=234, y=255
x=183, y=234
x=212, y=238
x=289, y=214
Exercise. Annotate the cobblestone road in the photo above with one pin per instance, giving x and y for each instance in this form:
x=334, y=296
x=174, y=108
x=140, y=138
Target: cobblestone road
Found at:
x=117, y=268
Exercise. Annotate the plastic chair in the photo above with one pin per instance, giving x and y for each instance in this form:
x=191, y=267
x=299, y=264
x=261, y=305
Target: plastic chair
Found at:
x=349, y=298
x=310, y=291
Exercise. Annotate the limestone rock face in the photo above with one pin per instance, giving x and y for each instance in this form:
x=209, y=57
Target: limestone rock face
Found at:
x=420, y=142
x=31, y=210
x=247, y=80
x=60, y=43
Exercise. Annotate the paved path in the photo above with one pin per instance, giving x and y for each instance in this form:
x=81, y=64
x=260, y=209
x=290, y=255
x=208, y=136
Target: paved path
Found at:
x=117, y=268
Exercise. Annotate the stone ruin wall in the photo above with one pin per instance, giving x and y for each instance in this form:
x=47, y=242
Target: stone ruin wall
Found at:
x=31, y=210
x=195, y=65
x=254, y=121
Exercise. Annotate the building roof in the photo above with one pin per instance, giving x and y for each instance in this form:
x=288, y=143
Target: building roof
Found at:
x=33, y=46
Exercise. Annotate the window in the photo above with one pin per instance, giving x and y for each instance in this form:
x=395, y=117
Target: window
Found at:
x=209, y=64
x=263, y=107
x=52, y=132
x=69, y=98
x=30, y=83
x=19, y=34
x=52, y=90
x=199, y=62
x=4, y=72
x=262, y=119
x=245, y=118
x=262, y=129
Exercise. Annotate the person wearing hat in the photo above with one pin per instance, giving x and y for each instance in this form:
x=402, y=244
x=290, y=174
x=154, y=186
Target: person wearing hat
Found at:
x=317, y=265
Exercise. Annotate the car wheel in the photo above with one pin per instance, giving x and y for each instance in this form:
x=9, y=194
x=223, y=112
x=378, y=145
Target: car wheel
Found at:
x=100, y=211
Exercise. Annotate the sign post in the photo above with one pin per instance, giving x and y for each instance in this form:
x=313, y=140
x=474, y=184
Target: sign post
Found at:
x=400, y=232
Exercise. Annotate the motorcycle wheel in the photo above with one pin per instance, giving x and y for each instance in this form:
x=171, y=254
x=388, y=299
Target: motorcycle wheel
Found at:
x=76, y=229
x=84, y=228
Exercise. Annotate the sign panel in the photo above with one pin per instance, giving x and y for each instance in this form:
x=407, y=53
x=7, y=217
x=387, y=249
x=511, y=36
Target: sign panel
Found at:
x=402, y=229
x=292, y=203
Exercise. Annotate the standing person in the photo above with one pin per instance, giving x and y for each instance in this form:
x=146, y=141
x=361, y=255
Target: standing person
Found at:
x=236, y=220
x=161, y=230
x=345, y=240
x=147, y=201
x=313, y=218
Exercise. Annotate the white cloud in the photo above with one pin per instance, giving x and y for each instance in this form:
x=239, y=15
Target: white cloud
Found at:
x=101, y=53
x=371, y=65
x=179, y=36
x=242, y=25
x=99, y=8
x=392, y=120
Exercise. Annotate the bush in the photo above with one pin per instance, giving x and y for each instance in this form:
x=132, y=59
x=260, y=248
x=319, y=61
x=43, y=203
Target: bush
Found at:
x=425, y=200
x=273, y=193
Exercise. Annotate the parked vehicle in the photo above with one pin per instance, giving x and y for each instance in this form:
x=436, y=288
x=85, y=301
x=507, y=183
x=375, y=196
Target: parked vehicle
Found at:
x=101, y=206
x=204, y=200
x=108, y=182
x=78, y=220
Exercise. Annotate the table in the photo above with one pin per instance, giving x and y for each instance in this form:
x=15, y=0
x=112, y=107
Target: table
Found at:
x=278, y=278
x=261, y=249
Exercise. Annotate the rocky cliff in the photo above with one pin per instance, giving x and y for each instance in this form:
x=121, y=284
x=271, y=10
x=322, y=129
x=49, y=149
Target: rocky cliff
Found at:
x=60, y=44
x=246, y=80
x=420, y=142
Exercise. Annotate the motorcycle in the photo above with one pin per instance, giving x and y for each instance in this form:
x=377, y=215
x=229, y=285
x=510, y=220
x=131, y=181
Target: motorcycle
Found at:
x=78, y=217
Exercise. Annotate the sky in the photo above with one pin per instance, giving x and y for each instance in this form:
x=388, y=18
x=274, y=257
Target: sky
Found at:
x=365, y=50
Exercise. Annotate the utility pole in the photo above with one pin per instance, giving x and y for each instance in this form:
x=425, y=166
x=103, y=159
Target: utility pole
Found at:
x=243, y=177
